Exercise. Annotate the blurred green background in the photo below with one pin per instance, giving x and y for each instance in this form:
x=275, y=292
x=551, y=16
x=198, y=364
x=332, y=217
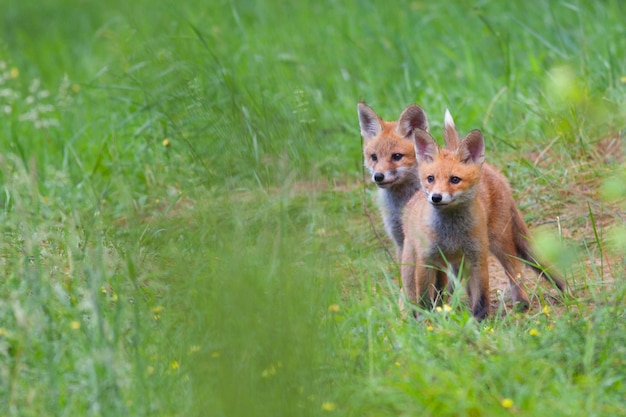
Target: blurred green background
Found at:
x=187, y=229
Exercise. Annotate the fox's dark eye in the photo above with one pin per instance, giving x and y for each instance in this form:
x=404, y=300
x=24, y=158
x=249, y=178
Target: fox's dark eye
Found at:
x=374, y=157
x=455, y=180
x=430, y=178
x=397, y=156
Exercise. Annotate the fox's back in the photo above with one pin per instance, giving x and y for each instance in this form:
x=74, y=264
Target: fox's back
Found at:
x=496, y=196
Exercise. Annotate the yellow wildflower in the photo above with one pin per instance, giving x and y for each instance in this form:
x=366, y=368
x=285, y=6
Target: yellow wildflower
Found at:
x=446, y=308
x=328, y=406
x=75, y=325
x=271, y=371
x=507, y=403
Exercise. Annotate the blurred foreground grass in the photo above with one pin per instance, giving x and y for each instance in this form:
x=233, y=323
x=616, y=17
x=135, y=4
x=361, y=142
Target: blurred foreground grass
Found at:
x=186, y=231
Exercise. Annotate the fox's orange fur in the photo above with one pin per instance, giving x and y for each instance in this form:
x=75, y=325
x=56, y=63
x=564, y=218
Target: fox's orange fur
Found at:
x=389, y=156
x=465, y=211
x=447, y=223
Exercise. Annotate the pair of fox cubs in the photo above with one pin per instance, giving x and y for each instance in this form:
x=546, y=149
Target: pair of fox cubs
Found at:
x=445, y=209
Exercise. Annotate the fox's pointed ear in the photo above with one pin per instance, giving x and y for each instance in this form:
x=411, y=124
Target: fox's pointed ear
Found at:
x=426, y=148
x=450, y=134
x=412, y=117
x=371, y=123
x=472, y=149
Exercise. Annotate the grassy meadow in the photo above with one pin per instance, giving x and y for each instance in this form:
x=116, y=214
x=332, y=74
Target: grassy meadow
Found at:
x=187, y=228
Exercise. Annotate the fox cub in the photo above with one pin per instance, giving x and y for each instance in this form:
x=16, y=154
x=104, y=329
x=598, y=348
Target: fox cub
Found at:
x=447, y=223
x=389, y=156
x=465, y=210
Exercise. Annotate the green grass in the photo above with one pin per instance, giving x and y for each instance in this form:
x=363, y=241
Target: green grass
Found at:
x=186, y=229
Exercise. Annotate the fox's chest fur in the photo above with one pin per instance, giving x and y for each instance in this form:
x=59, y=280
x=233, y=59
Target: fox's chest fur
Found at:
x=451, y=233
x=392, y=202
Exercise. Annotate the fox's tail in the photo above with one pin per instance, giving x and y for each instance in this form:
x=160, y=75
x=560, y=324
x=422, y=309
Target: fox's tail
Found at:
x=524, y=251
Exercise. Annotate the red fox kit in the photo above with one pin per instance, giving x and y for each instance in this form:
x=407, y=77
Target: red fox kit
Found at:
x=465, y=211
x=508, y=233
x=447, y=223
x=390, y=158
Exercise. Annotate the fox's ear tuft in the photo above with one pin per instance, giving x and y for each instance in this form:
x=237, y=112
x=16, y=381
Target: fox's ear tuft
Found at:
x=426, y=148
x=412, y=117
x=472, y=149
x=448, y=120
x=371, y=124
x=450, y=134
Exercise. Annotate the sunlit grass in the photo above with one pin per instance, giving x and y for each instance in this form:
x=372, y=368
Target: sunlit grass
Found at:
x=186, y=230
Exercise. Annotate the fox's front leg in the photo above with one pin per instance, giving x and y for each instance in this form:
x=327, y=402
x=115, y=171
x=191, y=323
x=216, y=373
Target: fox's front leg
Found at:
x=426, y=283
x=407, y=271
x=478, y=287
x=441, y=285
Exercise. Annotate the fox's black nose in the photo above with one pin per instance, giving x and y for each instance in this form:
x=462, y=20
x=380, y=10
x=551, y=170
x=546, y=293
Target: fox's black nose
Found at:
x=379, y=177
x=436, y=198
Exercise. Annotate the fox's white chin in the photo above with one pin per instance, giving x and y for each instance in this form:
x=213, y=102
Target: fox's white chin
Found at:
x=385, y=184
x=439, y=205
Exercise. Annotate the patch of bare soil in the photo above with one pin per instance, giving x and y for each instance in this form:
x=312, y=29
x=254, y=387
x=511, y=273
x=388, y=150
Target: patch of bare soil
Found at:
x=500, y=292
